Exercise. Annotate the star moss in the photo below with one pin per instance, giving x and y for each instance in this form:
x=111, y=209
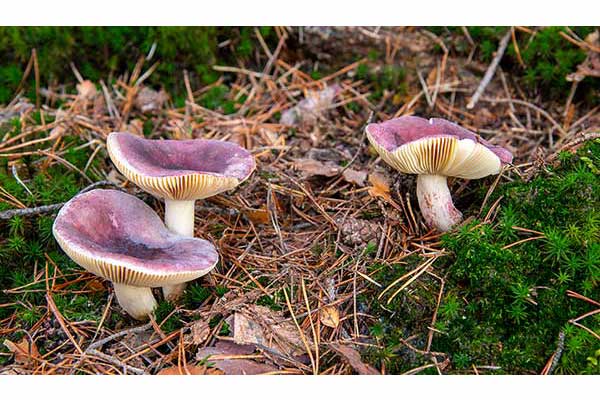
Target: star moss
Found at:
x=504, y=306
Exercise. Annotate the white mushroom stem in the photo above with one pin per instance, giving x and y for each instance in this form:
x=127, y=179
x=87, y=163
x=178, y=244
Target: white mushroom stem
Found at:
x=179, y=218
x=435, y=202
x=138, y=301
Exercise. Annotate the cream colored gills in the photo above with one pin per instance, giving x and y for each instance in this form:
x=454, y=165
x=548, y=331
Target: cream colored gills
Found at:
x=472, y=161
x=446, y=156
x=425, y=156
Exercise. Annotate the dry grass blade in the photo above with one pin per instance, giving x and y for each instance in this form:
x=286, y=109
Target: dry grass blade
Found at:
x=306, y=345
x=420, y=271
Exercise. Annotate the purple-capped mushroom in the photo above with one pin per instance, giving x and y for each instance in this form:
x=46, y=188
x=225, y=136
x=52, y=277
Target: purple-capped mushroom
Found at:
x=436, y=149
x=120, y=238
x=180, y=172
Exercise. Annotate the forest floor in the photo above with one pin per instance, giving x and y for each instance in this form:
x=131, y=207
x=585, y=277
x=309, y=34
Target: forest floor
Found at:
x=326, y=264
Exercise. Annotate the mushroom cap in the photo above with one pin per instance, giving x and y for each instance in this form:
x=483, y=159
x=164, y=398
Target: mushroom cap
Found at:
x=415, y=145
x=180, y=169
x=119, y=237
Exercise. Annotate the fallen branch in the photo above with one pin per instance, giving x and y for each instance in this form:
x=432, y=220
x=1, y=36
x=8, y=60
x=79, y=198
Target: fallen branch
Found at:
x=31, y=211
x=559, y=349
x=116, y=361
x=489, y=74
x=117, y=335
x=553, y=362
x=353, y=358
x=49, y=208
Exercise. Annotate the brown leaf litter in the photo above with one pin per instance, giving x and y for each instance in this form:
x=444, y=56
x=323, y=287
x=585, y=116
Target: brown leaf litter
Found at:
x=234, y=359
x=259, y=325
x=293, y=235
x=353, y=358
x=310, y=167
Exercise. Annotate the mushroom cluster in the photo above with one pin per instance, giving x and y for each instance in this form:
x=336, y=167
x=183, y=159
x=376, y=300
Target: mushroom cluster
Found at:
x=436, y=149
x=180, y=172
x=120, y=238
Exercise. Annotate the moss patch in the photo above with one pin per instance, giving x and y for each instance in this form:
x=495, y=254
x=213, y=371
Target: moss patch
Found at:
x=102, y=51
x=547, y=57
x=504, y=306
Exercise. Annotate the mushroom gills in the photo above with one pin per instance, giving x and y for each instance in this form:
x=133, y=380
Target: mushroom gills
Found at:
x=436, y=203
x=180, y=172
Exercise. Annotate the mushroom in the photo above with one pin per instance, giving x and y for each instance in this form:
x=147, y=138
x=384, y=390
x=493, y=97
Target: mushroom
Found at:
x=120, y=238
x=180, y=172
x=436, y=149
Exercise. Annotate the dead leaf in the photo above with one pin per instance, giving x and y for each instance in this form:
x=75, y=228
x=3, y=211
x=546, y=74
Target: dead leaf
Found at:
x=258, y=216
x=353, y=358
x=23, y=352
x=354, y=176
x=381, y=187
x=233, y=359
x=312, y=167
x=190, y=370
x=329, y=316
x=253, y=324
x=309, y=109
x=199, y=332
x=591, y=65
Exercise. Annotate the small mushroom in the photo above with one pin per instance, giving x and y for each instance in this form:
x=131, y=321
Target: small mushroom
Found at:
x=435, y=149
x=180, y=172
x=120, y=238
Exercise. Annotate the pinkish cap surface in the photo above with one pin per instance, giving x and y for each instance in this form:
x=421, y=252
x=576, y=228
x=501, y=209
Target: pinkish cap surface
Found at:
x=162, y=158
x=397, y=132
x=180, y=169
x=119, y=237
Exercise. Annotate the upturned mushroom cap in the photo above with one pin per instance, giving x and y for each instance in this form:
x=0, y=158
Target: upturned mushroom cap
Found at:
x=415, y=145
x=180, y=169
x=119, y=237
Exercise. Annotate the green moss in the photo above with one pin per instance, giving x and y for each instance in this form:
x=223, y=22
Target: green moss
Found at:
x=216, y=320
x=99, y=51
x=216, y=98
x=25, y=241
x=271, y=301
x=166, y=318
x=389, y=77
x=548, y=57
x=399, y=318
x=220, y=291
x=195, y=294
x=80, y=307
x=506, y=305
